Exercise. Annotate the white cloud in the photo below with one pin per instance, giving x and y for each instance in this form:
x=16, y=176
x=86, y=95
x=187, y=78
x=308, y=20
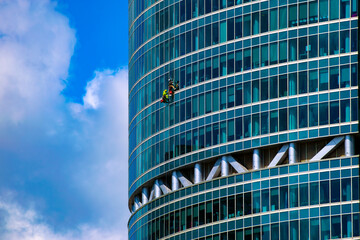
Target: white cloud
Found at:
x=18, y=223
x=105, y=130
x=65, y=162
x=36, y=45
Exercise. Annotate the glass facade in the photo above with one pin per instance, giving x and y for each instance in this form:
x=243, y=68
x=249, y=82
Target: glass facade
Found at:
x=260, y=139
x=271, y=203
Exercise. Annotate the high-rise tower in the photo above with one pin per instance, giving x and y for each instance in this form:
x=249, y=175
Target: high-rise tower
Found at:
x=261, y=140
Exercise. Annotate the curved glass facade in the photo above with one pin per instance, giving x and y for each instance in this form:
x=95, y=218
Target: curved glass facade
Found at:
x=320, y=198
x=268, y=94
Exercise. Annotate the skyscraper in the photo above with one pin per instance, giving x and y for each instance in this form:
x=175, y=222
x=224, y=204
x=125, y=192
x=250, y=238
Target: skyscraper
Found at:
x=261, y=140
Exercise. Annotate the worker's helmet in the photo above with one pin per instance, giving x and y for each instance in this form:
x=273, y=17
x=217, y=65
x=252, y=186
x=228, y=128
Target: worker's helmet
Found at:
x=165, y=91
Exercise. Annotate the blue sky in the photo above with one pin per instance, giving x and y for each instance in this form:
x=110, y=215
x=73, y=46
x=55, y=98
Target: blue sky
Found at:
x=63, y=131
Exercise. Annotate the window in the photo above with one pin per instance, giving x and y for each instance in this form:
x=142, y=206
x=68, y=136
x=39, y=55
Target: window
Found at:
x=313, y=115
x=255, y=125
x=313, y=81
x=223, y=65
x=345, y=110
x=314, y=229
x=273, y=87
x=334, y=77
x=292, y=15
x=284, y=199
x=292, y=84
x=264, y=21
x=195, y=76
x=346, y=189
x=188, y=43
x=247, y=126
x=282, y=51
x=314, y=193
x=274, y=192
x=247, y=203
x=353, y=8
x=335, y=227
x=238, y=61
x=247, y=92
x=238, y=94
x=334, y=112
x=230, y=63
x=292, y=118
x=255, y=23
x=264, y=55
x=275, y=231
x=273, y=53
x=215, y=33
x=230, y=129
x=188, y=108
x=334, y=9
x=294, y=230
x=354, y=79
x=247, y=59
x=323, y=10
x=201, y=104
x=294, y=196
x=264, y=89
x=231, y=207
x=303, y=48
x=265, y=232
x=273, y=19
x=264, y=123
x=209, y=210
x=223, y=208
x=208, y=35
x=325, y=228
x=323, y=45
x=256, y=202
x=239, y=205
x=354, y=37
x=292, y=50
x=238, y=27
x=355, y=188
x=283, y=85
x=216, y=135
x=230, y=97
x=323, y=113
x=255, y=57
x=265, y=200
x=282, y=16
x=230, y=29
x=303, y=82
x=313, y=11
x=334, y=43
x=223, y=33
x=201, y=71
x=324, y=76
x=354, y=109
x=238, y=128
x=215, y=67
x=208, y=102
x=255, y=91
x=312, y=48
x=223, y=98
x=345, y=41
x=246, y=30
x=215, y=100
x=216, y=210
x=345, y=76
x=273, y=121
x=324, y=192
x=303, y=13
